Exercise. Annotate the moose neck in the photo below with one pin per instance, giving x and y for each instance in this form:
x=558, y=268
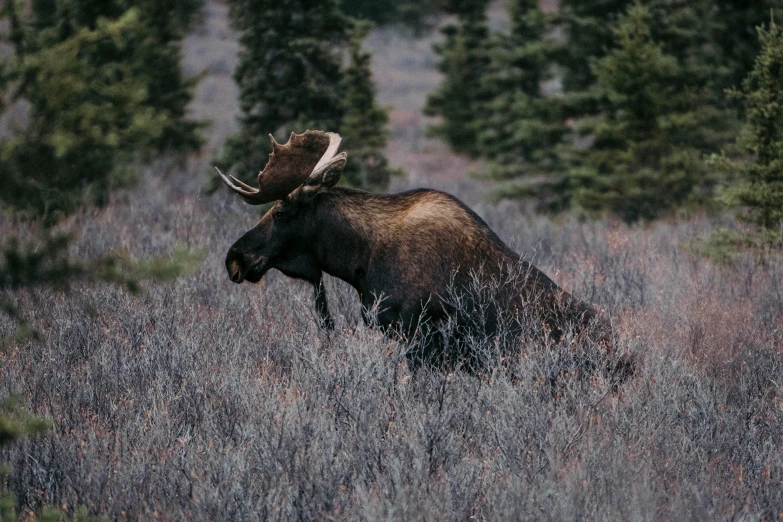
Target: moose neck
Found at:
x=348, y=223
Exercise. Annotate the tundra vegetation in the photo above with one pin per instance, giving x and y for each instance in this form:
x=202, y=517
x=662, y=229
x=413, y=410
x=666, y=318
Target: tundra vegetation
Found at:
x=210, y=401
x=228, y=402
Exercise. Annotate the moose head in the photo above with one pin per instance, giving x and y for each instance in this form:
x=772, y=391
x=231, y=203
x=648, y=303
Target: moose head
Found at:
x=293, y=177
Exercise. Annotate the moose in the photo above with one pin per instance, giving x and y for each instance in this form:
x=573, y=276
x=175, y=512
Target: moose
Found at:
x=417, y=258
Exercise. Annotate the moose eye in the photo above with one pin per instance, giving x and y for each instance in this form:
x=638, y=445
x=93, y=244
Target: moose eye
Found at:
x=283, y=211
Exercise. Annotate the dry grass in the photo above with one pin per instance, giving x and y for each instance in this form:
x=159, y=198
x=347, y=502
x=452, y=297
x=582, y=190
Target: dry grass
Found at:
x=208, y=400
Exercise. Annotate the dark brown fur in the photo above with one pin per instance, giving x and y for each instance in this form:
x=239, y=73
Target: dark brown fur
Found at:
x=411, y=255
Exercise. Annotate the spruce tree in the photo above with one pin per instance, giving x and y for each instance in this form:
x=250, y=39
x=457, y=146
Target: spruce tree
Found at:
x=154, y=53
x=520, y=126
x=735, y=33
x=90, y=116
x=409, y=13
x=646, y=155
x=723, y=32
x=363, y=128
x=521, y=131
x=464, y=60
x=758, y=166
x=587, y=30
x=289, y=74
x=168, y=19
x=539, y=141
x=91, y=112
x=291, y=78
x=684, y=29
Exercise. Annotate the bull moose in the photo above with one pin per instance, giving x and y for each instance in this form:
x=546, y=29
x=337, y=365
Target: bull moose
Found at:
x=417, y=258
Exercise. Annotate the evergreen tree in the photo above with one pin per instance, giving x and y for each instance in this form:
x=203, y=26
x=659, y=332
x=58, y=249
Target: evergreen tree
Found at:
x=587, y=30
x=684, y=28
x=628, y=138
x=291, y=79
x=648, y=141
x=464, y=60
x=364, y=123
x=410, y=13
x=522, y=131
x=758, y=169
x=90, y=116
x=722, y=32
x=289, y=75
x=154, y=51
x=735, y=33
x=91, y=112
x=168, y=19
x=521, y=126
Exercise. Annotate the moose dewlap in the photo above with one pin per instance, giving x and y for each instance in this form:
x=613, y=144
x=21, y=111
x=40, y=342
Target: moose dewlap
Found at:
x=429, y=268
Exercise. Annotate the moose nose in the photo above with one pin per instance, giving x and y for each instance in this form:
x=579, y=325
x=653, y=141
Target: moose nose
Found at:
x=234, y=267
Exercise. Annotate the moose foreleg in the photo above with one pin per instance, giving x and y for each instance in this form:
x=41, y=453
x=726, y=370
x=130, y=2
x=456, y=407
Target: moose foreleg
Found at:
x=325, y=320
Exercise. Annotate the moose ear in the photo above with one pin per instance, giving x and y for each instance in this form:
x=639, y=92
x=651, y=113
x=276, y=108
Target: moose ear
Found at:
x=326, y=176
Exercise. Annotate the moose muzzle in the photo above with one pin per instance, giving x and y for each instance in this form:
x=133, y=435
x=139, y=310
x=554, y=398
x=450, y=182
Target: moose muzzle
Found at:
x=242, y=267
x=236, y=271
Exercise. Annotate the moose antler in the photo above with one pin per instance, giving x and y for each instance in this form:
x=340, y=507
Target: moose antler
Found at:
x=290, y=165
